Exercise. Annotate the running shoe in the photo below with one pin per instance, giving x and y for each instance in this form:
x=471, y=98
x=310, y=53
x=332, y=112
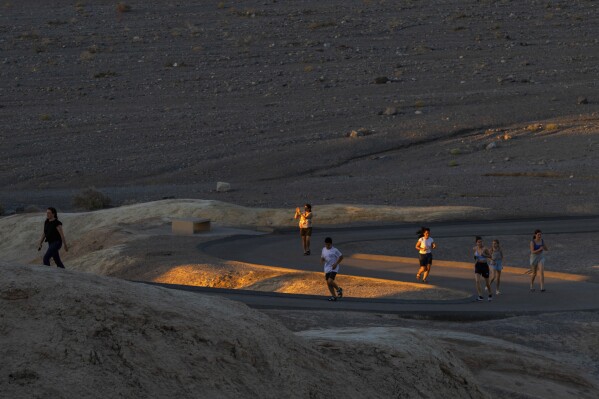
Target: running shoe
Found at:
x=497, y=292
x=490, y=298
x=480, y=298
x=418, y=277
x=333, y=298
x=340, y=292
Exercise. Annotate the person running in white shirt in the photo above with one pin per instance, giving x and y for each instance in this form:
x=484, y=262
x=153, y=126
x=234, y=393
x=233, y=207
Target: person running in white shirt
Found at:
x=330, y=258
x=425, y=245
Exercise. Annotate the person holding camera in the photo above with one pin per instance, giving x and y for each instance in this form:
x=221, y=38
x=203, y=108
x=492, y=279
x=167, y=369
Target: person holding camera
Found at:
x=305, y=226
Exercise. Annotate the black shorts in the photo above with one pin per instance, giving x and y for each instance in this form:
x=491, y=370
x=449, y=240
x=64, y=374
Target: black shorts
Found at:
x=426, y=259
x=482, y=268
x=330, y=275
x=306, y=232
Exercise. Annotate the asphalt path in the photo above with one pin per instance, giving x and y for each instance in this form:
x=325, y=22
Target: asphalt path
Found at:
x=565, y=292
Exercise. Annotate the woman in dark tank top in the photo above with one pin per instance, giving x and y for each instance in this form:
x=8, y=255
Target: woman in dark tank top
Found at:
x=54, y=236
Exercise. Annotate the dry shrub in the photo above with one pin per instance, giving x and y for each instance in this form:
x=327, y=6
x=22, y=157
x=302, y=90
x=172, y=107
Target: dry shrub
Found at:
x=87, y=55
x=122, y=7
x=106, y=74
x=91, y=199
x=551, y=126
x=318, y=25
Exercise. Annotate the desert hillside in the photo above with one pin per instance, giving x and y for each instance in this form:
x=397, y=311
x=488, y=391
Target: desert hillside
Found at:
x=71, y=335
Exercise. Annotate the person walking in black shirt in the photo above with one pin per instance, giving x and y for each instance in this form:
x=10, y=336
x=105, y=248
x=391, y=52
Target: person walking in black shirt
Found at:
x=54, y=235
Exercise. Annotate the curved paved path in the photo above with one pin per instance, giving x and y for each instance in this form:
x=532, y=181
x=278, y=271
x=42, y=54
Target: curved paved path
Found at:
x=565, y=292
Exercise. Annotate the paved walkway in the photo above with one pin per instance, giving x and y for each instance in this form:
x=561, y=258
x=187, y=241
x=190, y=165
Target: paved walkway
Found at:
x=565, y=292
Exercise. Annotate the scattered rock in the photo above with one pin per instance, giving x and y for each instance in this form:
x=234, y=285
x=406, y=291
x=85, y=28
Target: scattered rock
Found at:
x=582, y=100
x=223, y=187
x=359, y=133
x=381, y=80
x=491, y=145
x=390, y=111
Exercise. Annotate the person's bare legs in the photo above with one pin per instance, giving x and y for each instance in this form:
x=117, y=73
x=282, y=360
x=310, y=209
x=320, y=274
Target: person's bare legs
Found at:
x=427, y=270
x=498, y=275
x=488, y=286
x=304, y=243
x=307, y=244
x=542, y=275
x=477, y=283
x=420, y=271
x=333, y=287
x=532, y=278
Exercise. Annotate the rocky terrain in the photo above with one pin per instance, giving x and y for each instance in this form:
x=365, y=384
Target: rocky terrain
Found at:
x=492, y=103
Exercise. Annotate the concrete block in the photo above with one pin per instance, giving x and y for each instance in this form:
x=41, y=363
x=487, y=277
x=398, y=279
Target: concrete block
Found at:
x=190, y=226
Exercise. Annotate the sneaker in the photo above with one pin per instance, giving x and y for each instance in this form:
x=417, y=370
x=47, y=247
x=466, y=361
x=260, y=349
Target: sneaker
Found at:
x=308, y=252
x=418, y=277
x=333, y=298
x=340, y=292
x=480, y=298
x=497, y=292
x=490, y=298
x=543, y=290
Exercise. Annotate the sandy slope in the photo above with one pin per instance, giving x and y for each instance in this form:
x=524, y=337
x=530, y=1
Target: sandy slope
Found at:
x=71, y=335
x=140, y=341
x=134, y=242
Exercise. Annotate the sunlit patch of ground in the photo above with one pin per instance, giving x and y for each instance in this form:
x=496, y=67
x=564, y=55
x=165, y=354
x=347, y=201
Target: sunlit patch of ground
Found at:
x=235, y=275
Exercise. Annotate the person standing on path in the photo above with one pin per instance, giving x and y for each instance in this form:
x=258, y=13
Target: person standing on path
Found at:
x=497, y=265
x=481, y=268
x=330, y=258
x=537, y=259
x=305, y=225
x=54, y=235
x=425, y=245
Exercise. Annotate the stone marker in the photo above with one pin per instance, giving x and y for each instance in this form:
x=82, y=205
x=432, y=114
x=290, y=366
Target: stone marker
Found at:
x=190, y=226
x=222, y=187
